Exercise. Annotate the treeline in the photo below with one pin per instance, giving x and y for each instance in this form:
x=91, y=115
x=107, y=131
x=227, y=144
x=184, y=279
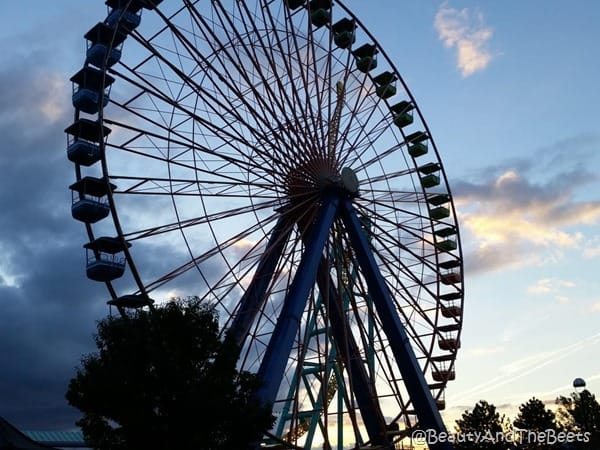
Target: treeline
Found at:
x=575, y=425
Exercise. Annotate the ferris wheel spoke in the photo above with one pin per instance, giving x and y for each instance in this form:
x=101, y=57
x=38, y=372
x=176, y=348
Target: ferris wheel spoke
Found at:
x=391, y=196
x=396, y=263
x=299, y=104
x=221, y=52
x=269, y=98
x=305, y=102
x=365, y=141
x=182, y=186
x=210, y=253
x=378, y=158
x=224, y=133
x=241, y=165
x=401, y=291
x=356, y=128
x=376, y=283
x=225, y=57
x=182, y=224
x=249, y=267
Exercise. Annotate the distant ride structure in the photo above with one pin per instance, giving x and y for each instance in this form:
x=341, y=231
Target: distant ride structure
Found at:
x=268, y=157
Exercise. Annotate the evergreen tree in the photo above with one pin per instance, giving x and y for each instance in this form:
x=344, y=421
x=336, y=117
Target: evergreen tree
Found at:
x=481, y=428
x=534, y=418
x=580, y=413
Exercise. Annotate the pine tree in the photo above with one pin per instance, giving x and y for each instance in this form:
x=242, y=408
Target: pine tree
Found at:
x=535, y=420
x=481, y=429
x=580, y=414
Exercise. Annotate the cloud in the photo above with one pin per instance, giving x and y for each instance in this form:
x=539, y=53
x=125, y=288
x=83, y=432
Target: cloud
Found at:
x=549, y=285
x=486, y=351
x=592, y=249
x=512, y=217
x=49, y=307
x=466, y=32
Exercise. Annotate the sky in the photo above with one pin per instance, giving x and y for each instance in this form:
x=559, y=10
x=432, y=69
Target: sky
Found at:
x=509, y=91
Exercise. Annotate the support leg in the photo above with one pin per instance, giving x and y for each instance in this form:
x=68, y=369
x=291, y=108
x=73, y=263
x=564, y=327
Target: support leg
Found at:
x=273, y=364
x=427, y=412
x=254, y=297
x=346, y=346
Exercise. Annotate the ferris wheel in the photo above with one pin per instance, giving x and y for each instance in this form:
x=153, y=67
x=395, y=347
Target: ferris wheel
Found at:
x=268, y=157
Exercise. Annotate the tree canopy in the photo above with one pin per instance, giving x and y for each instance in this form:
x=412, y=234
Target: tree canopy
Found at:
x=580, y=413
x=574, y=426
x=153, y=383
x=480, y=428
x=535, y=418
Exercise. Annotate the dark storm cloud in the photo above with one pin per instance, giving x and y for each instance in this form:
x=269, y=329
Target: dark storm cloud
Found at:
x=48, y=308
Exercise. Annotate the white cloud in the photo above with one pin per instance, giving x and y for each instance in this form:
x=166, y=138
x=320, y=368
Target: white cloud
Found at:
x=486, y=351
x=466, y=32
x=512, y=221
x=592, y=248
x=53, y=106
x=549, y=285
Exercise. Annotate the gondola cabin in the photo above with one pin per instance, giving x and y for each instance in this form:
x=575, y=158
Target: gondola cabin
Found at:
x=450, y=308
x=127, y=14
x=451, y=311
x=446, y=245
x=451, y=271
x=105, y=259
x=385, y=85
x=438, y=199
x=366, y=57
x=417, y=144
x=89, y=199
x=449, y=340
x=445, y=232
x=123, y=19
x=83, y=141
x=91, y=88
x=104, y=45
x=441, y=370
x=439, y=213
x=402, y=113
x=344, y=33
x=320, y=12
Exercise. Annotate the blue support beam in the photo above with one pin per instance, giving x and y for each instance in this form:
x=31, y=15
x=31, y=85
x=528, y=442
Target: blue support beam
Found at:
x=414, y=380
x=346, y=346
x=272, y=367
x=254, y=297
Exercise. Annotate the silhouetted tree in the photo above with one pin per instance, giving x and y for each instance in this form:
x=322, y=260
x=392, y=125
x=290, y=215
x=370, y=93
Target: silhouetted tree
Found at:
x=481, y=428
x=538, y=425
x=580, y=413
x=154, y=384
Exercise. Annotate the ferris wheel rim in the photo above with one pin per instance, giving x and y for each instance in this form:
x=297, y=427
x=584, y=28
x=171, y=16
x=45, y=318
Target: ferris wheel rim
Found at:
x=122, y=234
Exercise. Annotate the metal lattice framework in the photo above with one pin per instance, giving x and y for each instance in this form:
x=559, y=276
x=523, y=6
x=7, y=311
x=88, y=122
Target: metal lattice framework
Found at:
x=268, y=157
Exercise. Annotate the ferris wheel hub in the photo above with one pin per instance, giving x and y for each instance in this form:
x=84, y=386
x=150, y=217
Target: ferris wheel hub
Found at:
x=349, y=181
